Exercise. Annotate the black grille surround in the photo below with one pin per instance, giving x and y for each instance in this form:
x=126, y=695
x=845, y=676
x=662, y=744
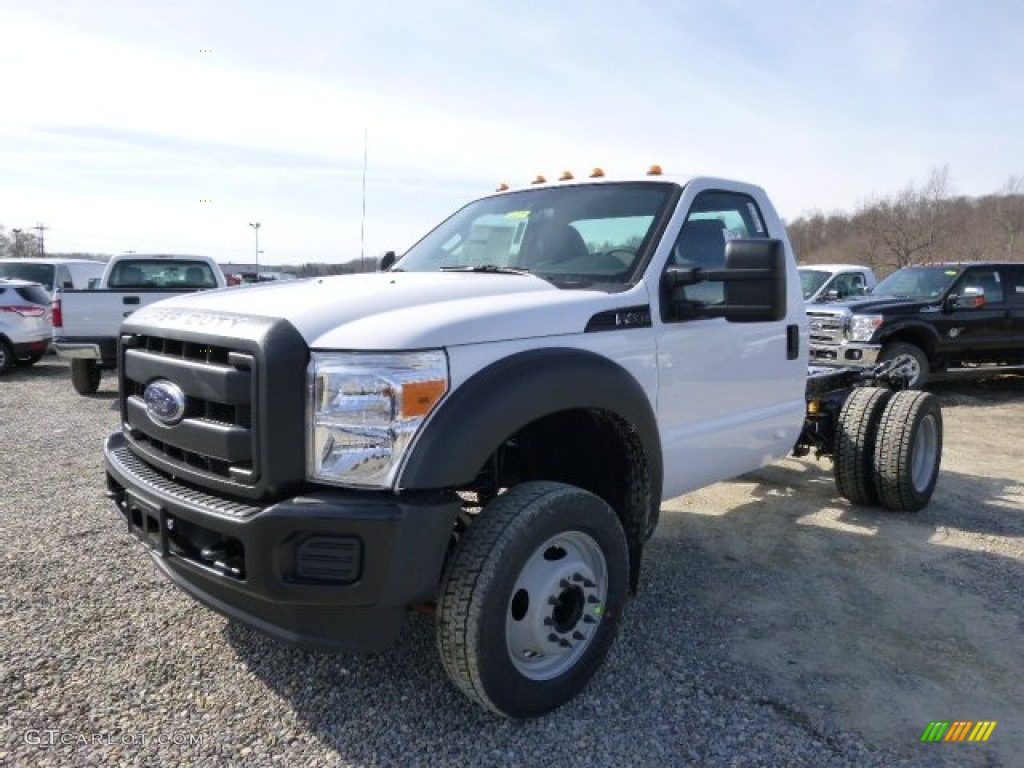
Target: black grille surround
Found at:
x=244, y=379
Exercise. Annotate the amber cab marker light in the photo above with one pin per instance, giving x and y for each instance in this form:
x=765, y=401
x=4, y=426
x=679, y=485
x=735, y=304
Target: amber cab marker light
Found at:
x=566, y=176
x=540, y=179
x=502, y=187
x=654, y=170
x=597, y=173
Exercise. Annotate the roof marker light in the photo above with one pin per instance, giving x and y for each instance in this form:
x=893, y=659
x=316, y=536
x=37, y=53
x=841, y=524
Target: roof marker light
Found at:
x=566, y=176
x=597, y=173
x=654, y=170
x=502, y=187
x=540, y=179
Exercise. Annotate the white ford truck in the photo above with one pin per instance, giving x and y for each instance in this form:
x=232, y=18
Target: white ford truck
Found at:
x=486, y=429
x=86, y=321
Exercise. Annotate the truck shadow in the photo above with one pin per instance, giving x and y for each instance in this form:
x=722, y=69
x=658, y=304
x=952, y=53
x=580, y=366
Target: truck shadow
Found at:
x=693, y=654
x=988, y=389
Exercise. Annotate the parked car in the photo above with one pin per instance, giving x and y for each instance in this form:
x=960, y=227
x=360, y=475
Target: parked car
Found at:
x=834, y=282
x=54, y=274
x=25, y=328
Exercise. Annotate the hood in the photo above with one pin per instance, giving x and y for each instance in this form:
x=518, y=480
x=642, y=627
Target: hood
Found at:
x=403, y=310
x=882, y=306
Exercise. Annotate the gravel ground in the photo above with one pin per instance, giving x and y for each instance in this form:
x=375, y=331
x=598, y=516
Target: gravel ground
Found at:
x=104, y=663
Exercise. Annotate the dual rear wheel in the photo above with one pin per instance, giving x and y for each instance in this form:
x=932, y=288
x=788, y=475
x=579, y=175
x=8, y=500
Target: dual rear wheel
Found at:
x=888, y=448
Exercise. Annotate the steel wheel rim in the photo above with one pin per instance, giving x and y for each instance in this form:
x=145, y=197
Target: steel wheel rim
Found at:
x=909, y=364
x=556, y=605
x=926, y=447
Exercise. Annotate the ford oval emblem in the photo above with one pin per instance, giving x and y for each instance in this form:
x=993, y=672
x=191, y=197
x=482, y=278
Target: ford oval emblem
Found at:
x=165, y=402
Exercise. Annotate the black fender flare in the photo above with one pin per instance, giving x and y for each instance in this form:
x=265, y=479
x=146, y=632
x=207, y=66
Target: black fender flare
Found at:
x=499, y=400
x=915, y=328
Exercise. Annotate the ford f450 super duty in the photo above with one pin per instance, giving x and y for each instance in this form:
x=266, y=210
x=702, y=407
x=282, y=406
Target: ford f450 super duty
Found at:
x=486, y=429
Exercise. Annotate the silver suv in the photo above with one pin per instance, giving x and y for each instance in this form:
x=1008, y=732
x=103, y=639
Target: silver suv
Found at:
x=25, y=323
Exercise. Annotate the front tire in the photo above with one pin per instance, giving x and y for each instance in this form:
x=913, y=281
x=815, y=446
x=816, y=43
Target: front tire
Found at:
x=911, y=359
x=85, y=376
x=908, y=451
x=531, y=598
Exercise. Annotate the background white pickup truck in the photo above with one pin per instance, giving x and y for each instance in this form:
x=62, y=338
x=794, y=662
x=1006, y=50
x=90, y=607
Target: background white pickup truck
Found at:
x=86, y=322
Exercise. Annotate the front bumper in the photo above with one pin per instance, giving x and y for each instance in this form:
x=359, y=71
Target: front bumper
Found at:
x=852, y=353
x=331, y=569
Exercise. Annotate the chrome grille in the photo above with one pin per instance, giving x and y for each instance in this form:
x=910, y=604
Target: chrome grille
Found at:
x=826, y=328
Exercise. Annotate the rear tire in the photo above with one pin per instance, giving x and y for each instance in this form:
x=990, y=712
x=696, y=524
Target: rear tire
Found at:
x=85, y=376
x=912, y=359
x=6, y=357
x=908, y=451
x=856, y=432
x=531, y=598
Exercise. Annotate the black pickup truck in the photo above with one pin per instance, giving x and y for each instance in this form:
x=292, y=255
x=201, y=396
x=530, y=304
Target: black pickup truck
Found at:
x=932, y=318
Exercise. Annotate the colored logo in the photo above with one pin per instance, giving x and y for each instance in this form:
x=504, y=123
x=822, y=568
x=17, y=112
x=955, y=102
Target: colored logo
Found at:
x=958, y=730
x=165, y=402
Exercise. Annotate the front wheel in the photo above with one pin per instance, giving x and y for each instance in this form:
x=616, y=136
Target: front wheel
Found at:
x=85, y=376
x=911, y=360
x=531, y=598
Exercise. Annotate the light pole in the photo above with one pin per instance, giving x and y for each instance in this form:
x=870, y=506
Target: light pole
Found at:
x=256, y=228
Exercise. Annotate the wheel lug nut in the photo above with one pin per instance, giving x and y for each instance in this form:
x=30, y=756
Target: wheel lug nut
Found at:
x=553, y=638
x=577, y=635
x=565, y=644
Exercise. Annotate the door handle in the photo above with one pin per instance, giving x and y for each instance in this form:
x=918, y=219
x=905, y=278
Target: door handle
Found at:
x=130, y=300
x=792, y=342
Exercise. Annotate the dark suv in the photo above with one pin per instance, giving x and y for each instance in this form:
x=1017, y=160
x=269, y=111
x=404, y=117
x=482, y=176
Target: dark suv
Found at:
x=931, y=318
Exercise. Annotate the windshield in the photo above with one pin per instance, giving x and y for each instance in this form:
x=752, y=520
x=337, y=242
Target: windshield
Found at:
x=571, y=236
x=33, y=273
x=811, y=280
x=917, y=283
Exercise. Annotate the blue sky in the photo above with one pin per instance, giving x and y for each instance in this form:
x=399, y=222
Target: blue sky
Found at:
x=169, y=126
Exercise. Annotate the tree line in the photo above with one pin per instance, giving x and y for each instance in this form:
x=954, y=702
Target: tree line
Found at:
x=18, y=244
x=918, y=224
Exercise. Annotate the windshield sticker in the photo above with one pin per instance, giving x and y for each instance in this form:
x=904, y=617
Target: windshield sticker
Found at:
x=951, y=272
x=517, y=215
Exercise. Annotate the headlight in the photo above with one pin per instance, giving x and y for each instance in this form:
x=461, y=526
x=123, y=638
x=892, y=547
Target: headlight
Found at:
x=862, y=327
x=364, y=409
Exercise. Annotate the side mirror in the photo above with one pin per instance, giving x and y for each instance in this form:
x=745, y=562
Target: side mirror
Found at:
x=833, y=294
x=754, y=278
x=387, y=261
x=973, y=297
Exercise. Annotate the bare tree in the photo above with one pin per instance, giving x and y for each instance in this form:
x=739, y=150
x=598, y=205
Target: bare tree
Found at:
x=1009, y=211
x=910, y=226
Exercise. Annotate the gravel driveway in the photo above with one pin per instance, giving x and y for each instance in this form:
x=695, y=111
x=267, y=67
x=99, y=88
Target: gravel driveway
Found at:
x=775, y=626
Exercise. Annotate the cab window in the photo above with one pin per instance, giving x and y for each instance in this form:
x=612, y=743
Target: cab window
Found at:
x=714, y=219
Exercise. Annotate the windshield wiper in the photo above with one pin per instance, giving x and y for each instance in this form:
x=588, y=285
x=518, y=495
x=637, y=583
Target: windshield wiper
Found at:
x=489, y=268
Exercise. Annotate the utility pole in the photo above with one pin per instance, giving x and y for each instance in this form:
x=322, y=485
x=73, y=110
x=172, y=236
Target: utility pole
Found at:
x=256, y=228
x=40, y=229
x=17, y=243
